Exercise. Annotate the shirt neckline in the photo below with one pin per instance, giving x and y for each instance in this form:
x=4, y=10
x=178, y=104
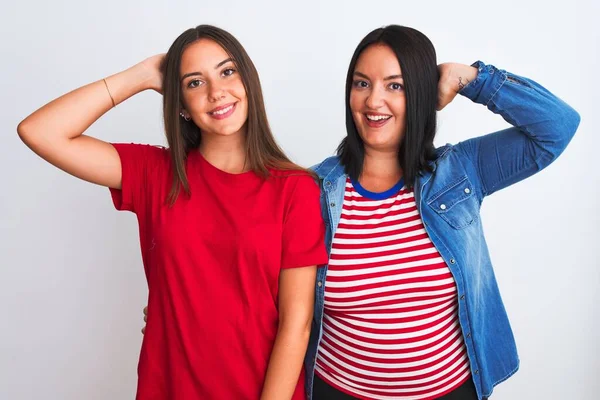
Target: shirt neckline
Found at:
x=377, y=195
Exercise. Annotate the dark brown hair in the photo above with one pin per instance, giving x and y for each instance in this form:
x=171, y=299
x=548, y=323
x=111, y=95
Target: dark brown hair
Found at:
x=262, y=152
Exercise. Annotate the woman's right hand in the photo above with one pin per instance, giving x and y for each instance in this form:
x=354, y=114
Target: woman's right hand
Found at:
x=145, y=319
x=153, y=67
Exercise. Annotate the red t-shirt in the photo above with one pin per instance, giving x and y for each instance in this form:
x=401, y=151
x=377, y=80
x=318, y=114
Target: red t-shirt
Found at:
x=212, y=263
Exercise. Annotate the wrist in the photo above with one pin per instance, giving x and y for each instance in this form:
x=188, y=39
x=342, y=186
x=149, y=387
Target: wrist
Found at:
x=127, y=83
x=141, y=77
x=462, y=75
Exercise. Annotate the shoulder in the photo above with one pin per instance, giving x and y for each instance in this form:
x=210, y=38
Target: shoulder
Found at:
x=293, y=178
x=325, y=166
x=144, y=160
x=442, y=151
x=142, y=152
x=295, y=185
x=450, y=156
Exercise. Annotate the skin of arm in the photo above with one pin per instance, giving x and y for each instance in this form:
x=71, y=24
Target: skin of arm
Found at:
x=55, y=131
x=296, y=301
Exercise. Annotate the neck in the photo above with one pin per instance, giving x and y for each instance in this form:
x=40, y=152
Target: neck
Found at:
x=381, y=170
x=227, y=153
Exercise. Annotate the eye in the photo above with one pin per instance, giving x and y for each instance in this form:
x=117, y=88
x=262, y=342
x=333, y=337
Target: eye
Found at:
x=228, y=72
x=194, y=83
x=396, y=86
x=360, y=84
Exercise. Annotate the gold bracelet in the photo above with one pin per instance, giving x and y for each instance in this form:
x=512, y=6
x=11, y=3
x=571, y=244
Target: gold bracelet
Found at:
x=108, y=90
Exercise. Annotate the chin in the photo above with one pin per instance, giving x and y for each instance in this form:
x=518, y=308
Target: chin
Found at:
x=224, y=129
x=376, y=140
x=381, y=145
x=229, y=131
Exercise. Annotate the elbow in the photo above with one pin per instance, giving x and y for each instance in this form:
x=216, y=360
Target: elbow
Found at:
x=302, y=334
x=22, y=130
x=569, y=120
x=298, y=328
x=573, y=120
x=25, y=132
x=31, y=136
x=566, y=124
x=569, y=123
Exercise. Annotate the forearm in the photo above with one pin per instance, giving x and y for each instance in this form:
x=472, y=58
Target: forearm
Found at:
x=527, y=105
x=286, y=362
x=68, y=116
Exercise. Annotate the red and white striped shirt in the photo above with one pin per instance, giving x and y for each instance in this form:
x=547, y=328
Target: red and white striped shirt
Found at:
x=390, y=324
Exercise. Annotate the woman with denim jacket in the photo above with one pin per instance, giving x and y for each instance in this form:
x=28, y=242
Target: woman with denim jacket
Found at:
x=408, y=307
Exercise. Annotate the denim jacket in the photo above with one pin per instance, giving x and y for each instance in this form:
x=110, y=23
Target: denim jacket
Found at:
x=449, y=201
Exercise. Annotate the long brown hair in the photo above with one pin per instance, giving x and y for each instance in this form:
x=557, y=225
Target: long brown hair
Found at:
x=262, y=151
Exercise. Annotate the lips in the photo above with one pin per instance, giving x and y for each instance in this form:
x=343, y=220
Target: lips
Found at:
x=223, y=112
x=375, y=120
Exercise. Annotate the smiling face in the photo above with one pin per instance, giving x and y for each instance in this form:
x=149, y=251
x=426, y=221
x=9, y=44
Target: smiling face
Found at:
x=377, y=99
x=213, y=93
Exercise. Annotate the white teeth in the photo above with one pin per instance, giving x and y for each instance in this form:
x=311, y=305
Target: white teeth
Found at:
x=378, y=117
x=223, y=111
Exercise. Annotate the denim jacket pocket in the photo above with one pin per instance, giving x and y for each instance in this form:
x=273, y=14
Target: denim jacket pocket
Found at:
x=456, y=203
x=517, y=80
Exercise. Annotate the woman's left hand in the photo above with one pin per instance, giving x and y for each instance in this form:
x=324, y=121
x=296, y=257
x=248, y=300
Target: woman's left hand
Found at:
x=453, y=77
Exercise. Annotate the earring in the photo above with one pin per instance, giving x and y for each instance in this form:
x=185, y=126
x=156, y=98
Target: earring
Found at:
x=184, y=117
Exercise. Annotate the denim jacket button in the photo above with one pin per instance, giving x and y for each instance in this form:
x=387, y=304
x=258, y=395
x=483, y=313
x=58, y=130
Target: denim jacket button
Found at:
x=467, y=190
x=452, y=261
x=328, y=183
x=332, y=204
x=476, y=372
x=462, y=297
x=319, y=284
x=468, y=335
x=443, y=206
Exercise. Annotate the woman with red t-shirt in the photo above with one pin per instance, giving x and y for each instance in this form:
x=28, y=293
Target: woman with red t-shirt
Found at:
x=230, y=228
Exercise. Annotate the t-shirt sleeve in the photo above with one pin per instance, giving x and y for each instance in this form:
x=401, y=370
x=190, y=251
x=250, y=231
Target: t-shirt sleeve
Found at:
x=138, y=161
x=303, y=242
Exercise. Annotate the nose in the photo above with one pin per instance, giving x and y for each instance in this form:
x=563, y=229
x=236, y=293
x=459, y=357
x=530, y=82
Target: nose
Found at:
x=375, y=99
x=216, y=93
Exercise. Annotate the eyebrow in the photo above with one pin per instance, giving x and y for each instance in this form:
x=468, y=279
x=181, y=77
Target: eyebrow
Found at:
x=387, y=78
x=200, y=73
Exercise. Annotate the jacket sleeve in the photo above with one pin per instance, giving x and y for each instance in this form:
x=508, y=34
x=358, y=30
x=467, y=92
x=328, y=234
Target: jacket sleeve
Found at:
x=542, y=126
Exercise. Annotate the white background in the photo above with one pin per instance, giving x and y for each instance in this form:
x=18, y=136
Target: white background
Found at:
x=72, y=286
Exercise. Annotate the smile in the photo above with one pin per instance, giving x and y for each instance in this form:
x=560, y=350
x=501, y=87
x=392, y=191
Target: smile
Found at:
x=377, y=120
x=223, y=111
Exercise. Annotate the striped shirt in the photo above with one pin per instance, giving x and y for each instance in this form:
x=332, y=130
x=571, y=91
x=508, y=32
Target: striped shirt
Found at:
x=390, y=324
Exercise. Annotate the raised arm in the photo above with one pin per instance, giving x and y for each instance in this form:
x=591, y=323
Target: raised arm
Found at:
x=542, y=123
x=55, y=131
